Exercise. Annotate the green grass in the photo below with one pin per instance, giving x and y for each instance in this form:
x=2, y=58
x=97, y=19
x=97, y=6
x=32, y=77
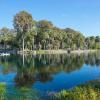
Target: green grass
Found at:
x=90, y=91
x=79, y=93
x=2, y=91
x=2, y=88
x=20, y=93
x=40, y=51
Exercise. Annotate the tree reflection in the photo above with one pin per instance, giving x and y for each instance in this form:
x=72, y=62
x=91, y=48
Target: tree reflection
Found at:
x=25, y=71
x=43, y=67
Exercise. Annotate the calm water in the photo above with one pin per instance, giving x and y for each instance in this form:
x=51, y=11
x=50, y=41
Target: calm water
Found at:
x=34, y=76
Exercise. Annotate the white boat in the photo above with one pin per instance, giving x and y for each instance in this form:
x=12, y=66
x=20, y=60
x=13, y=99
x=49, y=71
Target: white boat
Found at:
x=4, y=54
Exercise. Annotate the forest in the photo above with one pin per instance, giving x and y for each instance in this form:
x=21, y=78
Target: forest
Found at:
x=36, y=35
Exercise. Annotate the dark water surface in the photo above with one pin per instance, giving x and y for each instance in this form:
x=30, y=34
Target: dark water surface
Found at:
x=30, y=77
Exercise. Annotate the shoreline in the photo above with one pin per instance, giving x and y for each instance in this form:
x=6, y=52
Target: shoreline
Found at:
x=60, y=51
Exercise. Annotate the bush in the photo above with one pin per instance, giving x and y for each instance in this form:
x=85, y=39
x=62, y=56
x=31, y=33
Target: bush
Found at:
x=79, y=93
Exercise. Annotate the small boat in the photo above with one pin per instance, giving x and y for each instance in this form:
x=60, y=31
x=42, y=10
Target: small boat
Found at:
x=4, y=54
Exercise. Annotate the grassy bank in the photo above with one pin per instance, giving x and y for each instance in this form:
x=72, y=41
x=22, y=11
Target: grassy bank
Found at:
x=89, y=91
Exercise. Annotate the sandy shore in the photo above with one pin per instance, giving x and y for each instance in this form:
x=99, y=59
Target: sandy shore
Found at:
x=56, y=51
x=83, y=51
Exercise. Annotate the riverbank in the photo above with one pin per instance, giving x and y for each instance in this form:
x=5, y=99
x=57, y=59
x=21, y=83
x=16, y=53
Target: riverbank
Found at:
x=87, y=91
x=55, y=51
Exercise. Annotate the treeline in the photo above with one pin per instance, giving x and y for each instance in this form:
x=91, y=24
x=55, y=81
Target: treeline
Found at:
x=31, y=34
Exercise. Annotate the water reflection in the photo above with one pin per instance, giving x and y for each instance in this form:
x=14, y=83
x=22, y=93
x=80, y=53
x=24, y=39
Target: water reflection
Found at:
x=42, y=68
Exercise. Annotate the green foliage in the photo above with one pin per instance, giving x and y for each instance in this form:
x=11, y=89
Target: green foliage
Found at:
x=6, y=38
x=2, y=88
x=89, y=91
x=23, y=93
x=79, y=93
x=23, y=24
x=93, y=42
x=2, y=91
x=31, y=34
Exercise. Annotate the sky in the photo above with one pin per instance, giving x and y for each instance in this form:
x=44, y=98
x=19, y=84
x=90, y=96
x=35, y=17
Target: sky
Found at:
x=81, y=15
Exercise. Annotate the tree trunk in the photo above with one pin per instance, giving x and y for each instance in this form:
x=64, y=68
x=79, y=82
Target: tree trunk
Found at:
x=23, y=59
x=23, y=44
x=33, y=44
x=44, y=46
x=23, y=49
x=4, y=46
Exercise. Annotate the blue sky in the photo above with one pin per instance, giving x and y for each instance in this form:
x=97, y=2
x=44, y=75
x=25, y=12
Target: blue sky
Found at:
x=81, y=15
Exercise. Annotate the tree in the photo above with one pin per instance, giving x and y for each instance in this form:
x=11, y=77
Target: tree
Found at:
x=30, y=34
x=6, y=37
x=75, y=39
x=23, y=24
x=43, y=27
